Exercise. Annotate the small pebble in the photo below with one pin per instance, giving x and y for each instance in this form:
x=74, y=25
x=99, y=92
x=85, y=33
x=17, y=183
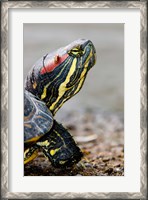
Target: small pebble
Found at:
x=102, y=164
x=116, y=165
x=109, y=170
x=105, y=159
x=88, y=165
x=117, y=170
x=95, y=166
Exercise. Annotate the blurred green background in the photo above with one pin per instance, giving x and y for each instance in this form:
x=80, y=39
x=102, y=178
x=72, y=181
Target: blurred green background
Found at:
x=104, y=85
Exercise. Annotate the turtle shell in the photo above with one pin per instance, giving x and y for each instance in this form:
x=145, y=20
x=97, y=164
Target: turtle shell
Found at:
x=38, y=119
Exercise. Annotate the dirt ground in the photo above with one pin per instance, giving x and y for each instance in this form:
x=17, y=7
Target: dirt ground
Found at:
x=101, y=139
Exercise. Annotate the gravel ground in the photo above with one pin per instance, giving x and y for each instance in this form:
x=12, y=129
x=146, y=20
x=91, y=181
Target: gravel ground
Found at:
x=101, y=139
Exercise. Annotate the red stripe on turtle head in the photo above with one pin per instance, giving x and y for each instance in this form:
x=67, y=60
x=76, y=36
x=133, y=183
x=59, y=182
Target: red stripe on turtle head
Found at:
x=53, y=63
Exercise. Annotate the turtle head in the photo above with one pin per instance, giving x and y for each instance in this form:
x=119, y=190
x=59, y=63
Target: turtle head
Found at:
x=58, y=76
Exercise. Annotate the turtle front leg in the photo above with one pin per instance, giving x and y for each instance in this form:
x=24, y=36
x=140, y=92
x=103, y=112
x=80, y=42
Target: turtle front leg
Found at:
x=59, y=146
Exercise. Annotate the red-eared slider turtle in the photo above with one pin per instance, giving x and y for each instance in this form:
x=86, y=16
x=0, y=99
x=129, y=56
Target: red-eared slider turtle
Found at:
x=54, y=79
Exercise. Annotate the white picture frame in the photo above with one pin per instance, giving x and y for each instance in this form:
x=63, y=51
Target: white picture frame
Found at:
x=6, y=54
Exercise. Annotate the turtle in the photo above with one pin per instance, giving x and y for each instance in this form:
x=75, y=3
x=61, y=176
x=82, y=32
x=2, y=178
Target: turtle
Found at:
x=53, y=79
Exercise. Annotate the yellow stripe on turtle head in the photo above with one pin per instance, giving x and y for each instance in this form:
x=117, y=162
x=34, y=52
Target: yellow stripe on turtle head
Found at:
x=44, y=94
x=62, y=89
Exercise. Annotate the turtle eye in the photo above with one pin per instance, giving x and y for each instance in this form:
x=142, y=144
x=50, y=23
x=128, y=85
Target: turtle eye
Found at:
x=76, y=52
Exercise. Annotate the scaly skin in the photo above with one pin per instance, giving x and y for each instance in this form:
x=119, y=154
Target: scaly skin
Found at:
x=54, y=79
